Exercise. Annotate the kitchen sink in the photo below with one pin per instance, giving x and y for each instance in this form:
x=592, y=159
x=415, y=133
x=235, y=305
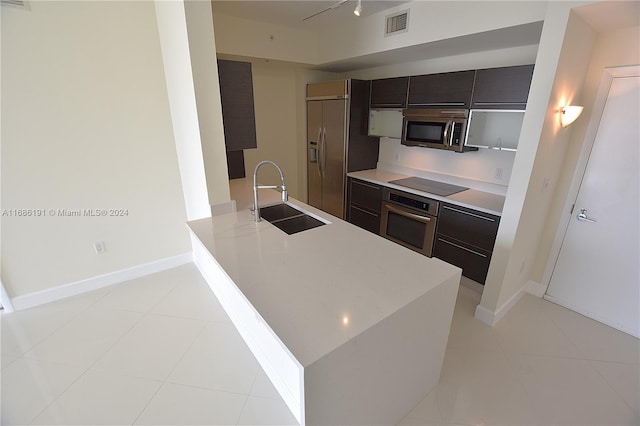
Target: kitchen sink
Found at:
x=278, y=212
x=296, y=224
x=289, y=219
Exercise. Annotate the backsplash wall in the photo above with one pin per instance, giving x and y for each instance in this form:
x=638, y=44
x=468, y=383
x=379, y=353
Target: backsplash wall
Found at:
x=478, y=165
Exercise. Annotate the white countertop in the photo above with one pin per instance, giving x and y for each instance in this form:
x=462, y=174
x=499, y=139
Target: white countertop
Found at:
x=319, y=288
x=472, y=198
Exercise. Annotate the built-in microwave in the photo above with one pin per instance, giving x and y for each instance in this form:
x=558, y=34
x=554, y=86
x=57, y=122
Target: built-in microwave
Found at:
x=435, y=128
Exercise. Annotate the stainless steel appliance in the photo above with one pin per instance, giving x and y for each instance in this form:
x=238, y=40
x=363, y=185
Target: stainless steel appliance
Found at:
x=337, y=141
x=409, y=220
x=435, y=128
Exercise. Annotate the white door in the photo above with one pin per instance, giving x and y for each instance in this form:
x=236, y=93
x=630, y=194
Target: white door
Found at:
x=597, y=272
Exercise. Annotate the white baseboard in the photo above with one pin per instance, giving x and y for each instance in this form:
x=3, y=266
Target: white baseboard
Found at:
x=37, y=298
x=490, y=317
x=7, y=305
x=635, y=332
x=537, y=289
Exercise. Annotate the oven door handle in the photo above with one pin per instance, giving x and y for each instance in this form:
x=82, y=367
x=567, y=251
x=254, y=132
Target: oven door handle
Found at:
x=414, y=216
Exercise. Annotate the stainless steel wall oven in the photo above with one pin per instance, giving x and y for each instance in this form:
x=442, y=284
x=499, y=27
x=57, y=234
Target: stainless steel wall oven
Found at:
x=409, y=220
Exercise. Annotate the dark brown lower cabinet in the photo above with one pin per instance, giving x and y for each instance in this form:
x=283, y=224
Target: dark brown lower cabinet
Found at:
x=365, y=202
x=465, y=238
x=473, y=261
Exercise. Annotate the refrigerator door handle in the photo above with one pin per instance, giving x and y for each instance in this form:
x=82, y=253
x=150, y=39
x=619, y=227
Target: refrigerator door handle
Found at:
x=324, y=151
x=319, y=151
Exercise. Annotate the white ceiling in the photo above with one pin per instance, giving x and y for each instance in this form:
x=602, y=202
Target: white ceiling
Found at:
x=521, y=35
x=610, y=15
x=601, y=16
x=292, y=12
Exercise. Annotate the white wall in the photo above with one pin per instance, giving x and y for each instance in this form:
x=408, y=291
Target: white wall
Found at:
x=559, y=74
x=174, y=40
x=522, y=55
x=202, y=49
x=428, y=21
x=478, y=165
x=236, y=36
x=275, y=94
x=612, y=48
x=85, y=125
x=279, y=92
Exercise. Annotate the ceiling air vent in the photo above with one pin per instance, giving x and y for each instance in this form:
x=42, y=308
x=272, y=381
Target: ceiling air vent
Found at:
x=397, y=23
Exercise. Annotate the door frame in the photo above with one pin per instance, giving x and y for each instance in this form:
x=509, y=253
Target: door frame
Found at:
x=609, y=74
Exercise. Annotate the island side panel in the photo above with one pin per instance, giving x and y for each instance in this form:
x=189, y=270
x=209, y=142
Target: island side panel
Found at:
x=278, y=363
x=380, y=375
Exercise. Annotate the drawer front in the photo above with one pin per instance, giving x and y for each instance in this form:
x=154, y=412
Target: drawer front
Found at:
x=366, y=195
x=470, y=226
x=364, y=219
x=473, y=261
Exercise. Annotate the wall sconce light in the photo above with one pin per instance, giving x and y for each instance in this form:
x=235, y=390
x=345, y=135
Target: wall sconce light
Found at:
x=358, y=10
x=569, y=114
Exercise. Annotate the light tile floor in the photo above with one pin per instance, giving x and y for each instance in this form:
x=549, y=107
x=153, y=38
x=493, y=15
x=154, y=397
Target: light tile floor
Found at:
x=160, y=350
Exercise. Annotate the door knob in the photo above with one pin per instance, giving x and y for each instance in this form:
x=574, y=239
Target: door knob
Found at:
x=582, y=216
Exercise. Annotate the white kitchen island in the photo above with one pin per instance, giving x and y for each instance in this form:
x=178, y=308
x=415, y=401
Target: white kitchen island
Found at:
x=350, y=328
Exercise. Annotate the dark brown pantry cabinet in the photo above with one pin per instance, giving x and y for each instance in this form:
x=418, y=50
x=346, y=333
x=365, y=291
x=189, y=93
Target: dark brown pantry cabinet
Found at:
x=238, y=112
x=450, y=89
x=365, y=202
x=236, y=95
x=389, y=92
x=502, y=88
x=465, y=238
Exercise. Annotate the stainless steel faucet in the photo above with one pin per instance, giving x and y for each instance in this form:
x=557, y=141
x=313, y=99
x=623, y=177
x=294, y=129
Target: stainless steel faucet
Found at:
x=285, y=196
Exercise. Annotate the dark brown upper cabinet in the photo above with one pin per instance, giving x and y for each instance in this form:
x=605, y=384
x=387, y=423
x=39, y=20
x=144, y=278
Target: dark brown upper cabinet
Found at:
x=502, y=88
x=451, y=89
x=238, y=113
x=389, y=92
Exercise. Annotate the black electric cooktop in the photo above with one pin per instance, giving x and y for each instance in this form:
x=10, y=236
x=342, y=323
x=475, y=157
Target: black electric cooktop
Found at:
x=430, y=186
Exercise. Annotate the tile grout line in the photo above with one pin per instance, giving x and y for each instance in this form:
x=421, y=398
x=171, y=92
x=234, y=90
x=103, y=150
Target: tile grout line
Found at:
x=165, y=380
x=92, y=365
x=591, y=362
x=73, y=317
x=246, y=400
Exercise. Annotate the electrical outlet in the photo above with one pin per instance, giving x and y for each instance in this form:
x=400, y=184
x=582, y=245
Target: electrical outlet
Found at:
x=99, y=247
x=499, y=172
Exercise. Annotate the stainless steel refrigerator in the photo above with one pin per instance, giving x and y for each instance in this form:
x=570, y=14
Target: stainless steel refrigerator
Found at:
x=337, y=141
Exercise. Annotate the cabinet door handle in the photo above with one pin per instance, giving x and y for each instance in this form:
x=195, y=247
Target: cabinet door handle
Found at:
x=398, y=105
x=462, y=248
x=437, y=104
x=469, y=214
x=413, y=216
x=363, y=211
x=357, y=182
